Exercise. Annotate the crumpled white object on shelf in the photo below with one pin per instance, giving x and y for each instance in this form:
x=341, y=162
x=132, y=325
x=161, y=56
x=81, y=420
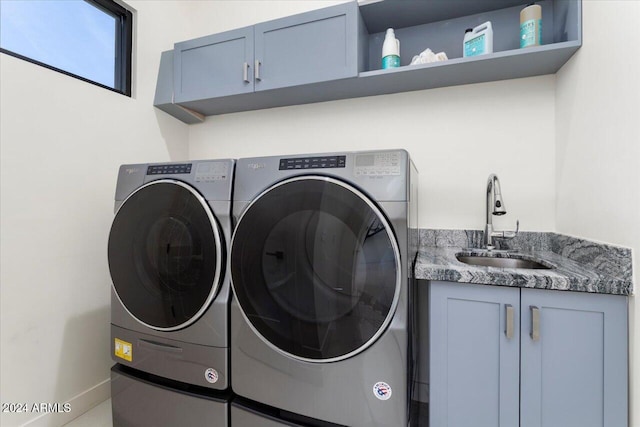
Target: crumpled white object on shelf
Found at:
x=428, y=56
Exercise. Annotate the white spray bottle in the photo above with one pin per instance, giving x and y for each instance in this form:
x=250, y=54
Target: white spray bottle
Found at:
x=390, y=50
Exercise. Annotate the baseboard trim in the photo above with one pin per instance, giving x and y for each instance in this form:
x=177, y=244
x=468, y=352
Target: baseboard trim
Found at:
x=80, y=404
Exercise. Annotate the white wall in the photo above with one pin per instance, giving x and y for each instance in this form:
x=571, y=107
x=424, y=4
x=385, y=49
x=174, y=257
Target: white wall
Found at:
x=598, y=144
x=457, y=136
x=62, y=141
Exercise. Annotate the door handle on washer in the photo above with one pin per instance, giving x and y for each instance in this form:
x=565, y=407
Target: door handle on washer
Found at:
x=159, y=346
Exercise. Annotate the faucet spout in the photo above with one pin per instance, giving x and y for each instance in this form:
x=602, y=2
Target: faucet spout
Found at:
x=495, y=206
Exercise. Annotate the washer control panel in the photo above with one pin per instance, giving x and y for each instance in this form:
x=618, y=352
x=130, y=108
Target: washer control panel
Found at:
x=212, y=171
x=182, y=168
x=377, y=164
x=322, y=162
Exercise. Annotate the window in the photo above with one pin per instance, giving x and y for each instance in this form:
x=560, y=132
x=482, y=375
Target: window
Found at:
x=87, y=39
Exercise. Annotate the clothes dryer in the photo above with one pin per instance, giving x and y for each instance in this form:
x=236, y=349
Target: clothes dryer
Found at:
x=320, y=264
x=167, y=253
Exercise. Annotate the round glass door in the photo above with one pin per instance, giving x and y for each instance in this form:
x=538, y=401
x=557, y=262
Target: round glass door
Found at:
x=165, y=255
x=315, y=268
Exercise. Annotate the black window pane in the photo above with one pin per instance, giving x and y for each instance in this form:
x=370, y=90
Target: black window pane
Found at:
x=162, y=255
x=314, y=269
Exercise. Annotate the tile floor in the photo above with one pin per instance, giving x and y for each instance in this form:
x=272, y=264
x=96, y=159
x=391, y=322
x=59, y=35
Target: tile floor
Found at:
x=100, y=416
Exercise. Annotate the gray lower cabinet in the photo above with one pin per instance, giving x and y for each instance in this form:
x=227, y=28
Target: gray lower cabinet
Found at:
x=505, y=357
x=474, y=359
x=574, y=359
x=307, y=48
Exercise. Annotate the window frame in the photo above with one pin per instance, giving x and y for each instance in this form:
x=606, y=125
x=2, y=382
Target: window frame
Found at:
x=123, y=48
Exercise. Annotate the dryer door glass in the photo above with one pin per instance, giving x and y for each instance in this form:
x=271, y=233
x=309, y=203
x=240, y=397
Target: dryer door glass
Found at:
x=165, y=255
x=315, y=268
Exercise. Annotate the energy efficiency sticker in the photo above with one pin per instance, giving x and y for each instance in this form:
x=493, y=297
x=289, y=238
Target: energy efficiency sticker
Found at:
x=123, y=350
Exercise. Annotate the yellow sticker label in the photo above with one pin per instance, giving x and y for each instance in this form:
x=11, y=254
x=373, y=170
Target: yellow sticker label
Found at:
x=124, y=350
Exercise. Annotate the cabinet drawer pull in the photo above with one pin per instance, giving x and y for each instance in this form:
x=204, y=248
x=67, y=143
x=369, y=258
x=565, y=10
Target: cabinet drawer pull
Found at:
x=535, y=323
x=245, y=72
x=509, y=324
x=159, y=346
x=257, y=70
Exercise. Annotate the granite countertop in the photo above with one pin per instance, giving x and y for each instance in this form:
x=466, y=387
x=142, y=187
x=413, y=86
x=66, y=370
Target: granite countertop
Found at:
x=577, y=265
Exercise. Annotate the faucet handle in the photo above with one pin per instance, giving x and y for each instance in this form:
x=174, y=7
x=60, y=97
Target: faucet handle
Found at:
x=511, y=234
x=507, y=234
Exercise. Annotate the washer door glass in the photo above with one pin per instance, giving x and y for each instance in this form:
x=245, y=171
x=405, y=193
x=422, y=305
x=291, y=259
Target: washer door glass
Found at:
x=165, y=255
x=315, y=268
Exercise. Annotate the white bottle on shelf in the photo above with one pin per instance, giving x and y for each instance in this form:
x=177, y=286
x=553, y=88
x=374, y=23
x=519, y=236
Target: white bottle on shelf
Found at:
x=390, y=50
x=478, y=40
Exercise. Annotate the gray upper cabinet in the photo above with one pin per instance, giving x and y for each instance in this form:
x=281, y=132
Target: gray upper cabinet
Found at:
x=312, y=47
x=302, y=49
x=163, y=98
x=564, y=365
x=213, y=66
x=335, y=53
x=574, y=359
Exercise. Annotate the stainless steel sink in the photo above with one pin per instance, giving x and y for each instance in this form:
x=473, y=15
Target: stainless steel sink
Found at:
x=512, y=261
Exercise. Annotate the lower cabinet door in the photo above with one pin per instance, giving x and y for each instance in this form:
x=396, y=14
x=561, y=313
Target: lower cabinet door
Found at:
x=574, y=359
x=474, y=355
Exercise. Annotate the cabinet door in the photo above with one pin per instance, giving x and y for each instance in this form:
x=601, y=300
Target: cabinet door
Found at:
x=473, y=361
x=311, y=47
x=214, y=66
x=574, y=361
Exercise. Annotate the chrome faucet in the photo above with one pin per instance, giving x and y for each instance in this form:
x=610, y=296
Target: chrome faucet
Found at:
x=495, y=206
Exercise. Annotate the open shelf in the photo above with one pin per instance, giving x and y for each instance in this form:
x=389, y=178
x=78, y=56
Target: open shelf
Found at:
x=504, y=65
x=418, y=26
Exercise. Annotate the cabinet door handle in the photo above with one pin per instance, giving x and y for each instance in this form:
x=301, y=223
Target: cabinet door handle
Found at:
x=509, y=324
x=535, y=323
x=257, y=70
x=245, y=72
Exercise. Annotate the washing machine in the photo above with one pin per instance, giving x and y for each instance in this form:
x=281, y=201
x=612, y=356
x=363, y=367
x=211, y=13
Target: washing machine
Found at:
x=168, y=258
x=321, y=261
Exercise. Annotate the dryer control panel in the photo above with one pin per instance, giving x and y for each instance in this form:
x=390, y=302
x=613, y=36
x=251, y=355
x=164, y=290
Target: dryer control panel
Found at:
x=169, y=169
x=377, y=164
x=212, y=171
x=322, y=162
